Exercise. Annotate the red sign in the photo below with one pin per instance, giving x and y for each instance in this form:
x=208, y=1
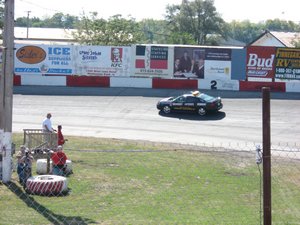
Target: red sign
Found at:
x=260, y=62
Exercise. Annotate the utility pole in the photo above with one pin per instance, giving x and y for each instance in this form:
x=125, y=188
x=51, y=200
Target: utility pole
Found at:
x=6, y=90
x=27, y=35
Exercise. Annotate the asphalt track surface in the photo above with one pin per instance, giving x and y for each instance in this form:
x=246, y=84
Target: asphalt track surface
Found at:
x=130, y=113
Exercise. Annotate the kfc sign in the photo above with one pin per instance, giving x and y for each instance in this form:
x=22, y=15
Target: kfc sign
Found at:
x=116, y=57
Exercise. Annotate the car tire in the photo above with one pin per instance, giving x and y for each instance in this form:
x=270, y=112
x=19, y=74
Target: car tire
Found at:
x=166, y=109
x=46, y=185
x=201, y=111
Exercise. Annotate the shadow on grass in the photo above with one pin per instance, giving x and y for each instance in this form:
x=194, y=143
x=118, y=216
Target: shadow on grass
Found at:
x=55, y=219
x=193, y=116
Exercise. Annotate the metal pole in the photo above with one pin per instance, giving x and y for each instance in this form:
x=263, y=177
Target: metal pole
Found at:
x=27, y=35
x=266, y=157
x=6, y=93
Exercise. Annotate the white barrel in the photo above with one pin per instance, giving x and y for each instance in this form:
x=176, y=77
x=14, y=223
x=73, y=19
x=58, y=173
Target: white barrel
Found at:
x=69, y=166
x=41, y=166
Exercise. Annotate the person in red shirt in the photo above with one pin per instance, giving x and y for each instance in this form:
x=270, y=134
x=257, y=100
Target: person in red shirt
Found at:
x=60, y=137
x=59, y=160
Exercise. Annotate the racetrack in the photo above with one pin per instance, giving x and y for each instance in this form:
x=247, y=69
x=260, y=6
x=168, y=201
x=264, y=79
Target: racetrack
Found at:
x=134, y=116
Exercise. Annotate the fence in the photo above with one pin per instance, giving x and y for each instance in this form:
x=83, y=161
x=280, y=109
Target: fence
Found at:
x=159, y=183
x=36, y=139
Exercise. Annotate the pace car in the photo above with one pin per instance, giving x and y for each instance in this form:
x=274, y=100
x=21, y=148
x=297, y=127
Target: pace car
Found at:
x=192, y=102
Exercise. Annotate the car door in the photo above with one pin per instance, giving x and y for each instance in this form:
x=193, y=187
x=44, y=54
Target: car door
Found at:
x=177, y=104
x=190, y=103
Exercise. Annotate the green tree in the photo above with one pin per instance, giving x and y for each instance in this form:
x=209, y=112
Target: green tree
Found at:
x=244, y=31
x=114, y=31
x=281, y=25
x=195, y=22
x=154, y=31
x=58, y=20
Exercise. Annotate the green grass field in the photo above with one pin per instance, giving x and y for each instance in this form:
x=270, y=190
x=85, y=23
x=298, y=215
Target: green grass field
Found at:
x=127, y=182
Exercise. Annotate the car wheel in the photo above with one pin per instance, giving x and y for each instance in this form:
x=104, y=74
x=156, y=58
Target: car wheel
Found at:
x=201, y=111
x=166, y=109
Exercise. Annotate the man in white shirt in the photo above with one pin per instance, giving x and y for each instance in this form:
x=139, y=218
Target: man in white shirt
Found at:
x=47, y=124
x=49, y=136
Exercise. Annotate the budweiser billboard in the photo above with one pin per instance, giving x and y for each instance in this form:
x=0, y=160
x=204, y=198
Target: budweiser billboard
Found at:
x=260, y=62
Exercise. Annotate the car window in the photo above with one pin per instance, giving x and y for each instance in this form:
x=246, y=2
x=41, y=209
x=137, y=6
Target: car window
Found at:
x=180, y=99
x=190, y=99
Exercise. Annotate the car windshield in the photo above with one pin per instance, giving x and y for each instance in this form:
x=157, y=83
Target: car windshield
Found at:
x=206, y=97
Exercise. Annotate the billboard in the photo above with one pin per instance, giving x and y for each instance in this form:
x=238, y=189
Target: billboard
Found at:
x=102, y=60
x=260, y=62
x=202, y=63
x=72, y=60
x=189, y=62
x=287, y=64
x=43, y=60
x=217, y=64
x=151, y=60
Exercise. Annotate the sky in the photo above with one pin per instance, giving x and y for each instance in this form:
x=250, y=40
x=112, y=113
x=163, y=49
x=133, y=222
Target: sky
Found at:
x=253, y=10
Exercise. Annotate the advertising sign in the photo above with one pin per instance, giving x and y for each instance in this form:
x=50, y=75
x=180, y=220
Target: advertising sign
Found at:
x=217, y=64
x=189, y=62
x=208, y=63
x=151, y=60
x=288, y=63
x=43, y=59
x=102, y=60
x=260, y=62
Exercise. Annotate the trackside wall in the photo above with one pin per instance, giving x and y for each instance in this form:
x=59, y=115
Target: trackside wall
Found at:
x=159, y=66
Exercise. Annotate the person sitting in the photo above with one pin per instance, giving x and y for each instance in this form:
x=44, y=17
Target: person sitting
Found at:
x=59, y=160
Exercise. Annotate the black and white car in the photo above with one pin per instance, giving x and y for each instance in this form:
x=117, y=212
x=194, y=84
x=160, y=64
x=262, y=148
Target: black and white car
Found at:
x=192, y=102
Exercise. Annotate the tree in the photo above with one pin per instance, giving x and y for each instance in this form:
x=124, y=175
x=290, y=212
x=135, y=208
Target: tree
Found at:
x=154, y=31
x=58, y=20
x=195, y=22
x=114, y=31
x=281, y=25
x=244, y=31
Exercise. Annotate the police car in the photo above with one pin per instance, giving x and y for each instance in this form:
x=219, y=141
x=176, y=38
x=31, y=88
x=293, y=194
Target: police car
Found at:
x=192, y=102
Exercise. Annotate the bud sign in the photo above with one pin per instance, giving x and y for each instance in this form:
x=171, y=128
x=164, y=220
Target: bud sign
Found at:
x=260, y=62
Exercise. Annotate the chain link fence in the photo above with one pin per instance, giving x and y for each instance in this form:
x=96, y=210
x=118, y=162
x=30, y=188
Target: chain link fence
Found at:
x=156, y=183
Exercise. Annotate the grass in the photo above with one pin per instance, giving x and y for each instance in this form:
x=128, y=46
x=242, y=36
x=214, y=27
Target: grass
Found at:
x=129, y=182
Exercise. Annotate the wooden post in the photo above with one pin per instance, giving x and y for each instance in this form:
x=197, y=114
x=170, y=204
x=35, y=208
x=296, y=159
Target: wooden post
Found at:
x=266, y=157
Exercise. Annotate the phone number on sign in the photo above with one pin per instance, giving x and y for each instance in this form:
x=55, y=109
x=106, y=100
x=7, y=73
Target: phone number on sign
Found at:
x=288, y=71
